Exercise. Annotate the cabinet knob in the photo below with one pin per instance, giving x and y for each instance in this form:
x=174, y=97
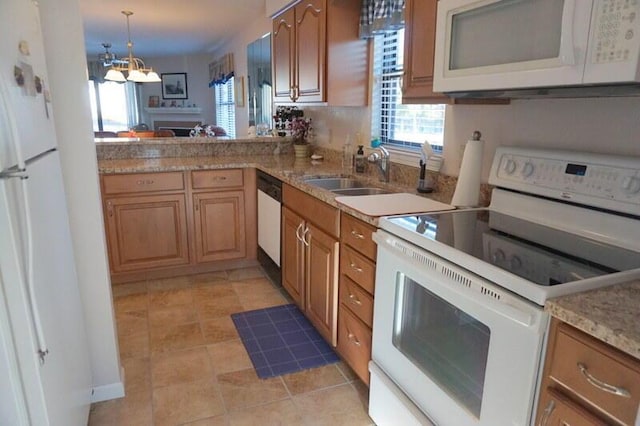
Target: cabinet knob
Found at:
x=110, y=209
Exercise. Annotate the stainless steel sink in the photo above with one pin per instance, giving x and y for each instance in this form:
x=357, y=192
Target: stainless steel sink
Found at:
x=360, y=191
x=335, y=183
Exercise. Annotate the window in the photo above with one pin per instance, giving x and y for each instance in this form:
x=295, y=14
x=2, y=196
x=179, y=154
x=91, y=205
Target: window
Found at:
x=114, y=106
x=225, y=107
x=398, y=125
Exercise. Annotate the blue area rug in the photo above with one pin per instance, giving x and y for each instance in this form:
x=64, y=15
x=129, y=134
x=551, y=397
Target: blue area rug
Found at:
x=281, y=340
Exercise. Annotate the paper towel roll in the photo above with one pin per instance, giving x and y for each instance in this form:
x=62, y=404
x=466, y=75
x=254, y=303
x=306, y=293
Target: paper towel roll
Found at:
x=467, y=193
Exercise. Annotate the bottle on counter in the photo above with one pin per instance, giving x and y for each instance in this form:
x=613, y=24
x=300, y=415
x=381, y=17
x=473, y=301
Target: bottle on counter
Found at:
x=360, y=164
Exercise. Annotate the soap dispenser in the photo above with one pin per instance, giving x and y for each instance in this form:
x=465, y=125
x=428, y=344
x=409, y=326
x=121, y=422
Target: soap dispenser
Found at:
x=360, y=164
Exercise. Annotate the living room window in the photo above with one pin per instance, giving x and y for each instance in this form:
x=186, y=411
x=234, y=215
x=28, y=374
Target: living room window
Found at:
x=225, y=107
x=400, y=126
x=114, y=106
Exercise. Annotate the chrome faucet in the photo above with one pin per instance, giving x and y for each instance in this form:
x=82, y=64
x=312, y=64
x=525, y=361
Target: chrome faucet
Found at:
x=381, y=159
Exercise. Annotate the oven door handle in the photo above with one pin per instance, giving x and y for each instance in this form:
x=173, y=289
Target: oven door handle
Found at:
x=472, y=289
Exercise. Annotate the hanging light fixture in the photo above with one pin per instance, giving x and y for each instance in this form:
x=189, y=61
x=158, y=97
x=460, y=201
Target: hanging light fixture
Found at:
x=134, y=67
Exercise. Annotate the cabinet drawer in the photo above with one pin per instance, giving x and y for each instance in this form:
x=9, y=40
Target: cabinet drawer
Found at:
x=318, y=212
x=584, y=365
x=202, y=179
x=355, y=298
x=358, y=268
x=142, y=182
x=357, y=234
x=558, y=409
x=354, y=343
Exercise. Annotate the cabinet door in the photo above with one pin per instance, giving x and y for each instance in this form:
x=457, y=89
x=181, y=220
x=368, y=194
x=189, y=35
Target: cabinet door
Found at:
x=282, y=51
x=146, y=232
x=321, y=275
x=419, y=49
x=293, y=256
x=310, y=32
x=219, y=226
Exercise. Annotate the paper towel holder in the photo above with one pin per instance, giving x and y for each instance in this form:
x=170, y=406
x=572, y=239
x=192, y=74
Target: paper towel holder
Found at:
x=467, y=192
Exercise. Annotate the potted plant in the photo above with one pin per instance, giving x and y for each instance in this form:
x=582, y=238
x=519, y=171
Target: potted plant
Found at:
x=300, y=132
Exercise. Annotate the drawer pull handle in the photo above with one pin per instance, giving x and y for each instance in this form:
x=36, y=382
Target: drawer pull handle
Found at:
x=547, y=413
x=354, y=299
x=355, y=267
x=353, y=339
x=616, y=390
x=215, y=178
x=145, y=182
x=110, y=209
x=357, y=235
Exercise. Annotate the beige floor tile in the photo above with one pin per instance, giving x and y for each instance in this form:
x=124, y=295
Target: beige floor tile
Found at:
x=363, y=392
x=117, y=412
x=165, y=298
x=176, y=337
x=209, y=278
x=313, y=379
x=134, y=346
x=241, y=389
x=173, y=315
x=219, y=330
x=251, y=286
x=262, y=299
x=186, y=402
x=339, y=405
x=210, y=308
x=174, y=283
x=213, y=291
x=210, y=421
x=175, y=367
x=129, y=288
x=132, y=322
x=346, y=371
x=229, y=356
x=137, y=376
x=132, y=302
x=280, y=413
x=245, y=273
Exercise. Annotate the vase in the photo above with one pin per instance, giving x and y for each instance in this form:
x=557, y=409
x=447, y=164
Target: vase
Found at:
x=302, y=151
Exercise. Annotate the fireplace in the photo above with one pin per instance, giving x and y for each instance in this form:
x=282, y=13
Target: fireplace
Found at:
x=180, y=128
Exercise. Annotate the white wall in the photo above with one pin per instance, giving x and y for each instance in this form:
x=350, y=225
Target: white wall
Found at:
x=66, y=63
x=198, y=91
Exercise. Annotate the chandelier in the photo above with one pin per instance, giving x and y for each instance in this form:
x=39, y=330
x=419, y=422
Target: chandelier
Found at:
x=135, y=68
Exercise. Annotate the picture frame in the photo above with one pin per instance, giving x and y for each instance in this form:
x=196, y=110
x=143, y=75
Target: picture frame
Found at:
x=154, y=101
x=239, y=91
x=174, y=85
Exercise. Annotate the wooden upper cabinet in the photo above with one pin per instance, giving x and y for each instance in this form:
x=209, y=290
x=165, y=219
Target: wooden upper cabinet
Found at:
x=419, y=51
x=317, y=55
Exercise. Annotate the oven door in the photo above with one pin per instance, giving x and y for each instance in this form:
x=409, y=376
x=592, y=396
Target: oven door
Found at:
x=464, y=350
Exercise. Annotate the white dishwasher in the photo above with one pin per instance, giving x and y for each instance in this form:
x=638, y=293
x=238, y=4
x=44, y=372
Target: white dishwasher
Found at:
x=269, y=204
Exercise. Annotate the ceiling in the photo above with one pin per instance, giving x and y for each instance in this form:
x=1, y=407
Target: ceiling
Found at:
x=165, y=27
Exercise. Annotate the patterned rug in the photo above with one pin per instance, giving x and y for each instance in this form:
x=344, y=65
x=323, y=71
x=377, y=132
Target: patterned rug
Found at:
x=281, y=340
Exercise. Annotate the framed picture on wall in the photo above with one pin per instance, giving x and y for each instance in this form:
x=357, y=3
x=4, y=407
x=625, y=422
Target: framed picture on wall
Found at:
x=174, y=85
x=154, y=101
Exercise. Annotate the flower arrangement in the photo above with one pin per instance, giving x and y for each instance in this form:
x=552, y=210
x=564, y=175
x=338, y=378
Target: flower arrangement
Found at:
x=300, y=130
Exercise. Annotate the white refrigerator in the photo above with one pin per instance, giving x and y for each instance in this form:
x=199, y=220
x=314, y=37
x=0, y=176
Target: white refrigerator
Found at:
x=45, y=376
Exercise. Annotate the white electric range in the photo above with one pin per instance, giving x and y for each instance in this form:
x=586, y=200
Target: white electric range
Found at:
x=459, y=327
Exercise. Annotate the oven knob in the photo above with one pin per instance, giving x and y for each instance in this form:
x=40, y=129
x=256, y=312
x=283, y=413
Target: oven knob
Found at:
x=498, y=256
x=527, y=169
x=516, y=262
x=510, y=166
x=631, y=184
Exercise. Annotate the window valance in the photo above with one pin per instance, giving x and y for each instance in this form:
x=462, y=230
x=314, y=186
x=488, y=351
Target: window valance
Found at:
x=221, y=70
x=379, y=16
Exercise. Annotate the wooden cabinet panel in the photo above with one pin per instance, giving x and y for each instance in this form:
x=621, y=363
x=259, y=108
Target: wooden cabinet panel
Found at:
x=220, y=225
x=147, y=232
x=357, y=267
x=357, y=300
x=357, y=234
x=354, y=343
x=562, y=411
x=321, y=214
x=321, y=275
x=282, y=52
x=213, y=179
x=142, y=182
x=293, y=256
x=310, y=28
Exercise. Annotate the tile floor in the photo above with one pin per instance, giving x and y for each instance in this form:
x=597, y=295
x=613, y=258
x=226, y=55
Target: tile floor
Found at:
x=185, y=364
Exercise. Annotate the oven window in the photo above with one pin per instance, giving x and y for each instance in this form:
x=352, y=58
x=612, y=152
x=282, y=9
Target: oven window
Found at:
x=448, y=345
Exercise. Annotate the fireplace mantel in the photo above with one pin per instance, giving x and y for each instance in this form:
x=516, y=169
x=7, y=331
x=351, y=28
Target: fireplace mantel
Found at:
x=174, y=110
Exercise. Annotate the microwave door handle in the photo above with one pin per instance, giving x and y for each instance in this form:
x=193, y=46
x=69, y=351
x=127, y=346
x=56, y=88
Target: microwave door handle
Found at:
x=567, y=51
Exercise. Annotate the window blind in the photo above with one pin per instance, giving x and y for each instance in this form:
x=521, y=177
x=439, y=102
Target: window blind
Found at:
x=225, y=107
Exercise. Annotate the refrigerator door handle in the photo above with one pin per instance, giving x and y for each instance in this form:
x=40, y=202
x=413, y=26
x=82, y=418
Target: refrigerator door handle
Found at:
x=14, y=174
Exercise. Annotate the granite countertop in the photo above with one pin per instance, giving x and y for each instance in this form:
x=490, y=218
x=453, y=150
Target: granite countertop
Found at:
x=611, y=314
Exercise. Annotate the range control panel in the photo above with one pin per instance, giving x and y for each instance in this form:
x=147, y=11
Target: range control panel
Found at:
x=605, y=181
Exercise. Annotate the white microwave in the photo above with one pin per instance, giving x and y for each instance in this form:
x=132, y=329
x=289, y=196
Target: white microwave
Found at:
x=495, y=45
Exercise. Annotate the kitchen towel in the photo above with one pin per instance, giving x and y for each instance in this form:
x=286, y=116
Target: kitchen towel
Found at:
x=467, y=193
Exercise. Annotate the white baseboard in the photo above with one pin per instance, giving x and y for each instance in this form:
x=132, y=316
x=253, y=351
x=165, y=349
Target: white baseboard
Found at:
x=110, y=391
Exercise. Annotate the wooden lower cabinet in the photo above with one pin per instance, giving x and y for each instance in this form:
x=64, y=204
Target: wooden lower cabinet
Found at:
x=220, y=226
x=171, y=223
x=147, y=232
x=293, y=254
